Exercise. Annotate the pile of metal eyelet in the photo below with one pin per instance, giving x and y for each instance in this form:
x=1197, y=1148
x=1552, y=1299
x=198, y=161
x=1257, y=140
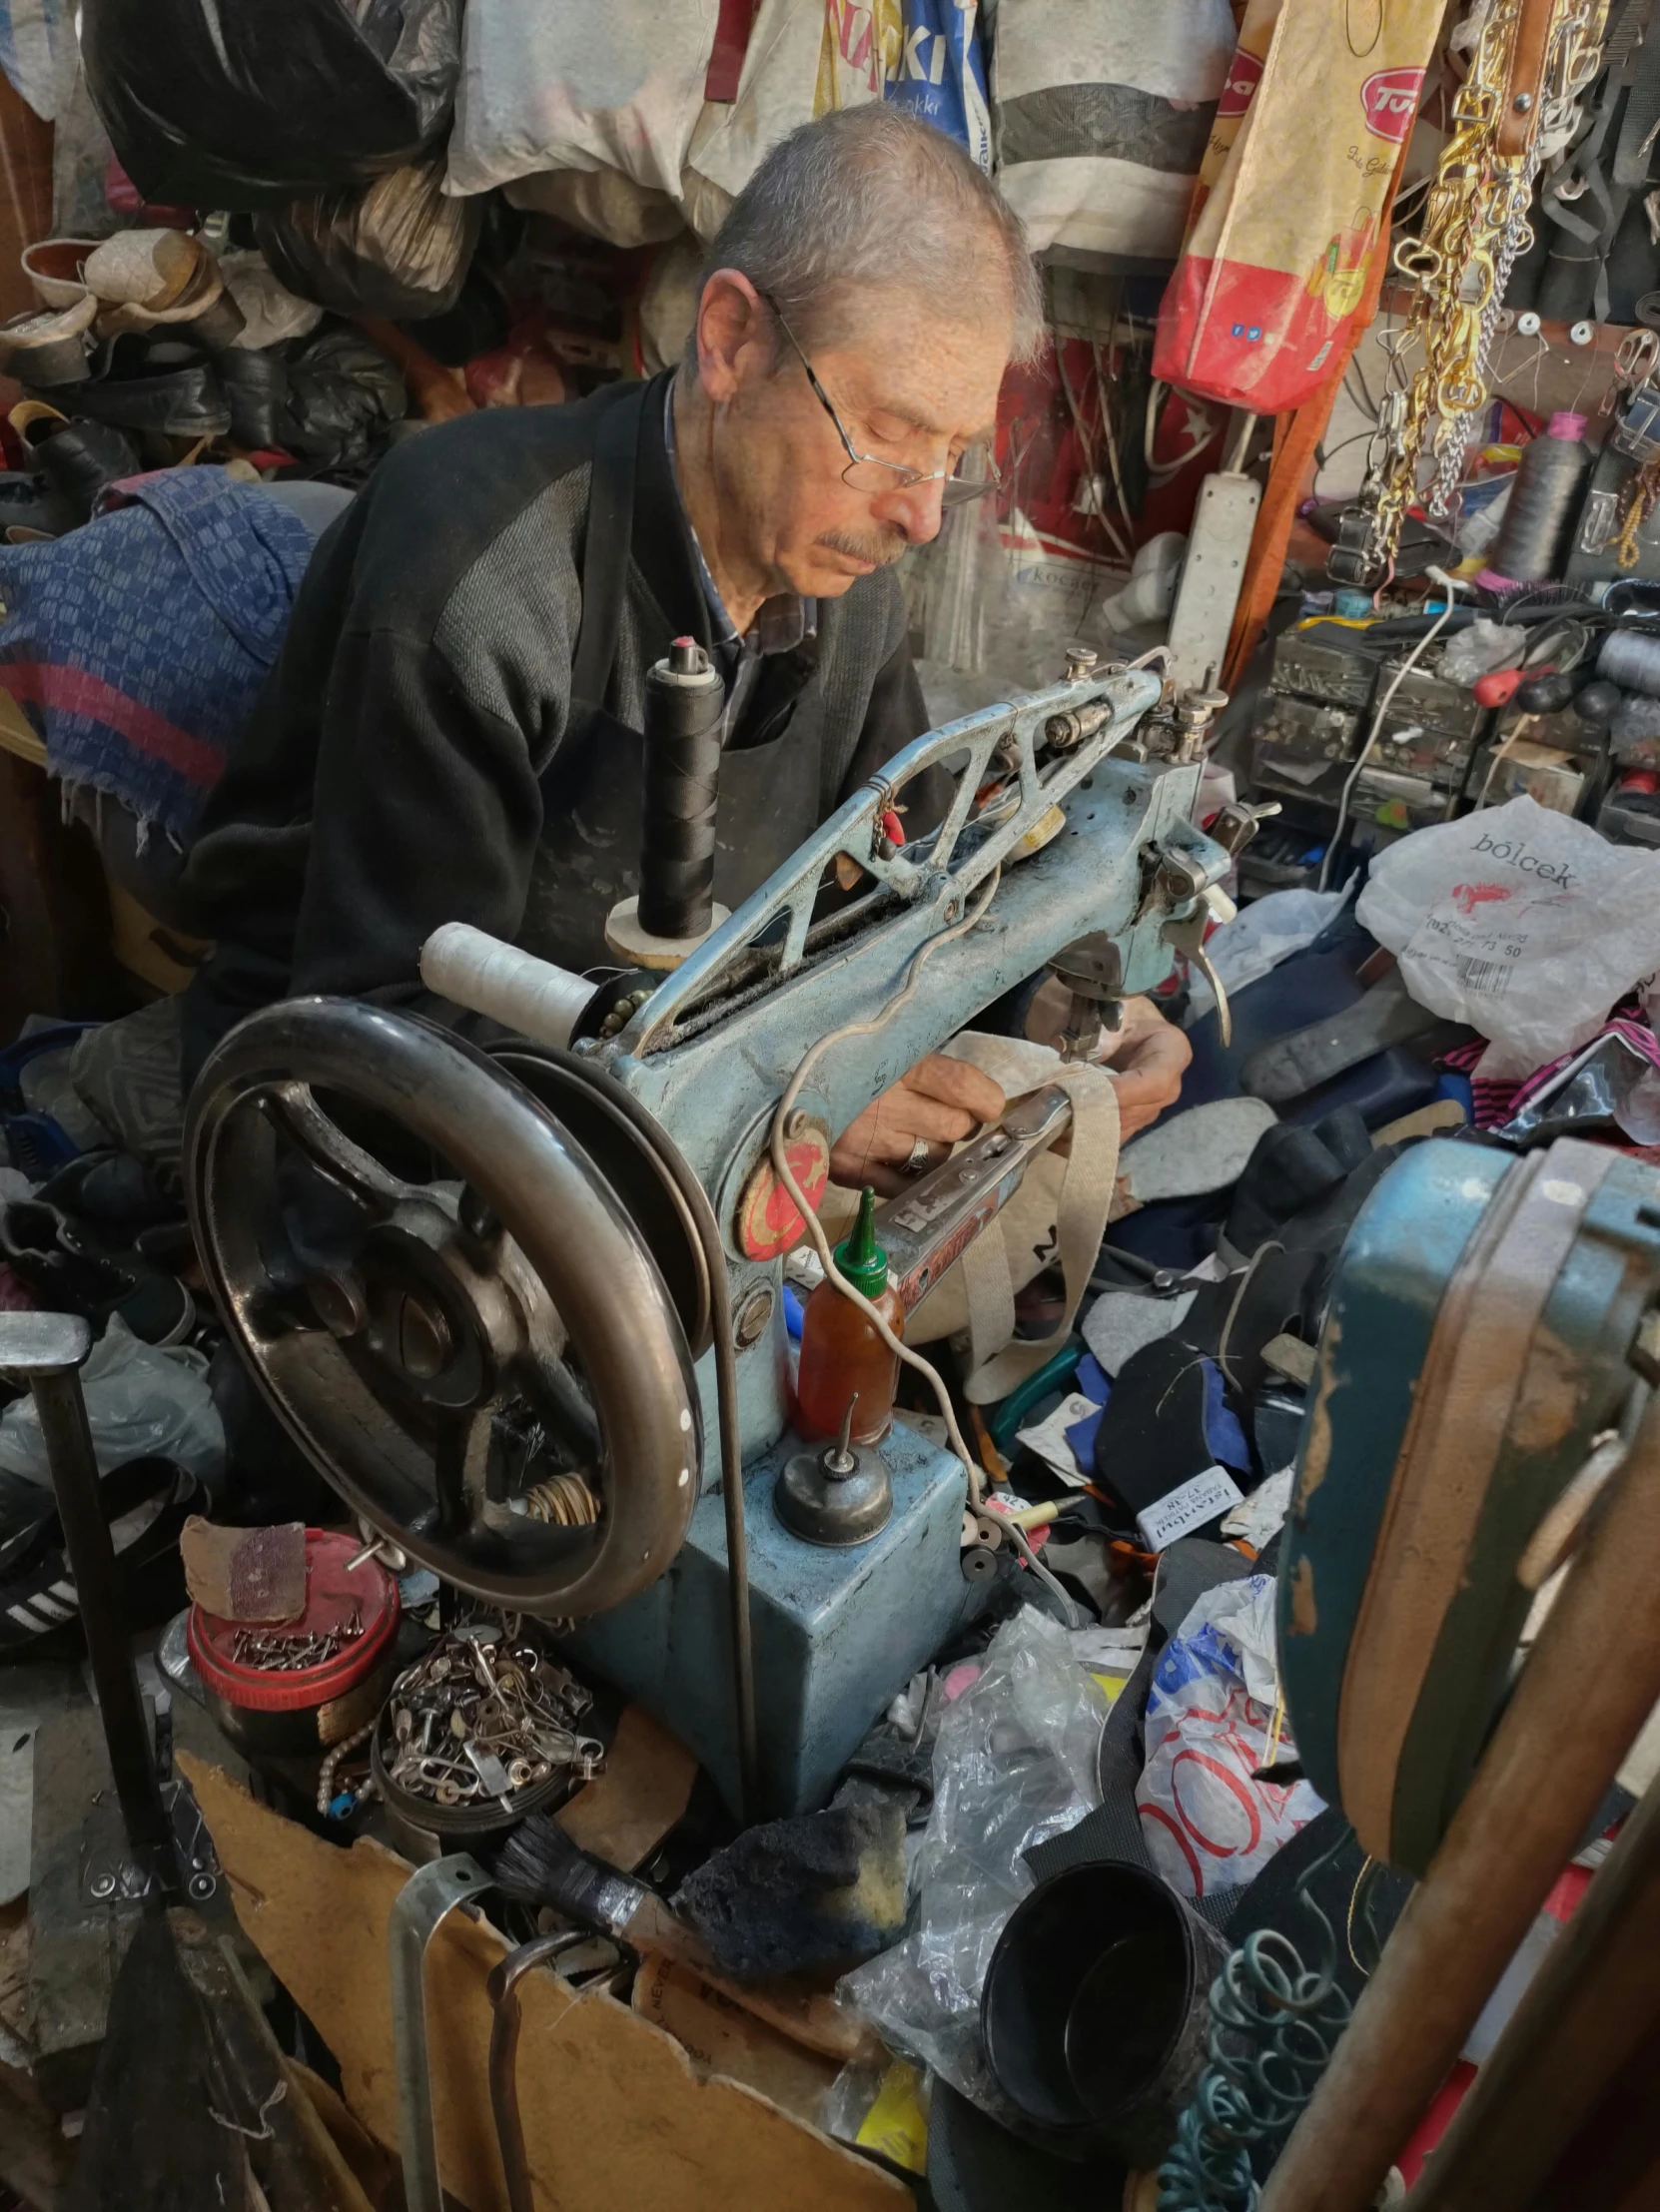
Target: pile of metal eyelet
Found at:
x=281, y=1650
x=483, y=1713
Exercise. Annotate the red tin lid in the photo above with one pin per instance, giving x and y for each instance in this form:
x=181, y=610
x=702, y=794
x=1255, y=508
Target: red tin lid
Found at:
x=333, y=1588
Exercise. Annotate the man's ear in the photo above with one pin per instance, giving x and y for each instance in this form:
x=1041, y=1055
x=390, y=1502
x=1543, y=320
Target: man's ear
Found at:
x=734, y=338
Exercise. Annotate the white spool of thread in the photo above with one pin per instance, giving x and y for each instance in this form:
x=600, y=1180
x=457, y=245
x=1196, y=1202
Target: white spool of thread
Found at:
x=534, y=997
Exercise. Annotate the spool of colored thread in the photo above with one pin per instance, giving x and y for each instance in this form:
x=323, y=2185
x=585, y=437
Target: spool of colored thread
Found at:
x=1541, y=506
x=1631, y=659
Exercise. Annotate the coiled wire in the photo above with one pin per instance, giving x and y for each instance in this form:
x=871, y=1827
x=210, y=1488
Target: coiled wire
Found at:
x=564, y=1500
x=1274, y=2022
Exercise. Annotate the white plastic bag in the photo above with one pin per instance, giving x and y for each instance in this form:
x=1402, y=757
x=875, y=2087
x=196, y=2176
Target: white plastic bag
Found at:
x=141, y=1403
x=592, y=84
x=1102, y=111
x=1210, y=1721
x=1522, y=923
x=805, y=58
x=1014, y=1765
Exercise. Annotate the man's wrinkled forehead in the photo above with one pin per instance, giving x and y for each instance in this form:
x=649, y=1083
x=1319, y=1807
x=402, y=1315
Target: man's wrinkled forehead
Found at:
x=936, y=376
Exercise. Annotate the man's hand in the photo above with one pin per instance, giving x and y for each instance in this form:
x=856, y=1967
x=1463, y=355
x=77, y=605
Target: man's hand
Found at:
x=941, y=1100
x=1146, y=1056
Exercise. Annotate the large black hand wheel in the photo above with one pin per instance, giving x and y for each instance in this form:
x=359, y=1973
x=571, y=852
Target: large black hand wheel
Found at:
x=476, y=1349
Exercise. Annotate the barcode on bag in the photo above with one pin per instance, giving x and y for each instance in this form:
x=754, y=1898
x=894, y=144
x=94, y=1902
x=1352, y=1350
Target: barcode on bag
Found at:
x=1491, y=975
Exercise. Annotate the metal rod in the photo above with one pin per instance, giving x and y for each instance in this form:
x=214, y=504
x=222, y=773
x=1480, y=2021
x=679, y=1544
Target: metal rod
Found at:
x=503, y=2066
x=430, y=1893
x=1583, y=2016
x=737, y=1538
x=91, y=1555
x=1555, y=1751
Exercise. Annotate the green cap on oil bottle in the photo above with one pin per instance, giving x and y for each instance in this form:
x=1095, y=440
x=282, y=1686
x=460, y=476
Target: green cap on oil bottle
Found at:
x=860, y=1260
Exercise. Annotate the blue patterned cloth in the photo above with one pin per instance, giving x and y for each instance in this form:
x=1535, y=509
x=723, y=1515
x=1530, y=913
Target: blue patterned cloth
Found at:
x=138, y=644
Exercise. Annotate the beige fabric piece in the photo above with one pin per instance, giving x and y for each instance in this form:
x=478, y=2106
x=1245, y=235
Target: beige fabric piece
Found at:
x=1059, y=1213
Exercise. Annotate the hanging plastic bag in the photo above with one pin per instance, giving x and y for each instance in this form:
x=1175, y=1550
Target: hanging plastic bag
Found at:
x=246, y=106
x=397, y=248
x=141, y=1403
x=1275, y=264
x=592, y=84
x=1014, y=1765
x=1208, y=1823
x=1101, y=115
x=939, y=73
x=805, y=58
x=1519, y=921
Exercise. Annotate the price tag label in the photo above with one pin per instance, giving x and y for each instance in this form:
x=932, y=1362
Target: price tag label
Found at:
x=1179, y=1512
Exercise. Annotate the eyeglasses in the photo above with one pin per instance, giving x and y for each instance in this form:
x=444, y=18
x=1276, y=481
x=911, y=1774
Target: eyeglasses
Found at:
x=973, y=474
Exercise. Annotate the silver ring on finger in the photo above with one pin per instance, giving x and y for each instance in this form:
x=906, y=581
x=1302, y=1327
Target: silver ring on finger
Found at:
x=918, y=1160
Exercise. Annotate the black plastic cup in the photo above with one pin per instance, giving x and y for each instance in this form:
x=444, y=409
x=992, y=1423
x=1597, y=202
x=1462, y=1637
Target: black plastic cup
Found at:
x=1095, y=2008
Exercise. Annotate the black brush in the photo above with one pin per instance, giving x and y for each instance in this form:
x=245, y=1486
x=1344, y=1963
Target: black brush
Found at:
x=539, y=1865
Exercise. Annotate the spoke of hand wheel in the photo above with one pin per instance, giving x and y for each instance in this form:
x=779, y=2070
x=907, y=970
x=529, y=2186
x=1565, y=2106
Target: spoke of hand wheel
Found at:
x=566, y=1403
x=461, y=1461
x=303, y=1122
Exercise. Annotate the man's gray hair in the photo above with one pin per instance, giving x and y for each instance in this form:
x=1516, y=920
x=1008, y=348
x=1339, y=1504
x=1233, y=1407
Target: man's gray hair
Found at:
x=870, y=195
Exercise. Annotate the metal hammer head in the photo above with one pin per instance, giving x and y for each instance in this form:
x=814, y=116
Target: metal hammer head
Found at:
x=43, y=1343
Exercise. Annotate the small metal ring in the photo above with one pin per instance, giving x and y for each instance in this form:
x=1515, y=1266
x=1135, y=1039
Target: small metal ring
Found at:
x=918, y=1160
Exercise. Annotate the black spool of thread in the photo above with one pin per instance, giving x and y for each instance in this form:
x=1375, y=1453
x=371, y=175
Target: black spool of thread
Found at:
x=685, y=701
x=1542, y=504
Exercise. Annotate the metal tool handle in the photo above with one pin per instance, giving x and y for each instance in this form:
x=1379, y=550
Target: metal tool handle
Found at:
x=930, y=1227
x=504, y=1996
x=423, y=1902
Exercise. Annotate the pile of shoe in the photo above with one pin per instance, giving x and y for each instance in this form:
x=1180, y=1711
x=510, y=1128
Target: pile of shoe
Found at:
x=147, y=348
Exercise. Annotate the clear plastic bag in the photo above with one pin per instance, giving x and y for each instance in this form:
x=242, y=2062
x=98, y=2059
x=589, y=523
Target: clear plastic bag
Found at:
x=1014, y=1763
x=141, y=1403
x=1484, y=646
x=1260, y=937
x=1519, y=921
x=1207, y=1822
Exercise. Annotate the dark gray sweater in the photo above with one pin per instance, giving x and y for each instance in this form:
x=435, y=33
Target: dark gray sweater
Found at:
x=388, y=780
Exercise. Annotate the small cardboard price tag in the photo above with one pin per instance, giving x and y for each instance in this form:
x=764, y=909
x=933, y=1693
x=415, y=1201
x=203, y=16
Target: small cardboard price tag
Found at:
x=1201, y=1498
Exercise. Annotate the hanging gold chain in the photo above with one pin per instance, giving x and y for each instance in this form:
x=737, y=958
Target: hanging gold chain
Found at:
x=1474, y=228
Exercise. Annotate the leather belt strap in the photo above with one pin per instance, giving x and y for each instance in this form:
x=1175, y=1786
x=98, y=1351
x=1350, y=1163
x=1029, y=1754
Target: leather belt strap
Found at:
x=1471, y=1392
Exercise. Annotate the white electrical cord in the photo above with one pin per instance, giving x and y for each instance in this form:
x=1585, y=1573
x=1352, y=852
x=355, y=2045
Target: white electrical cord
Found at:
x=815, y=1228
x=1160, y=471
x=1450, y=585
x=832, y=1274
x=1241, y=445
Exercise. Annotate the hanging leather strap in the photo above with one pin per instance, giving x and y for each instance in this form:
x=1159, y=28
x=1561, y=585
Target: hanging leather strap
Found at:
x=606, y=550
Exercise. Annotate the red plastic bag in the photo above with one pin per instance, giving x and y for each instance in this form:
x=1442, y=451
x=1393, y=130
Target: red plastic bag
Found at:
x=1309, y=132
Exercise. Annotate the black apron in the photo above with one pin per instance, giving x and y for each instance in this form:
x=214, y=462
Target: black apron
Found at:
x=589, y=855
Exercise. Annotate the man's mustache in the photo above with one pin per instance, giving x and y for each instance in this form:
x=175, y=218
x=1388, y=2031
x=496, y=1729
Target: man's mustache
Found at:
x=880, y=549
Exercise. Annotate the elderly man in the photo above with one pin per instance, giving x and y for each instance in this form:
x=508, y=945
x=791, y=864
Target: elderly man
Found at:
x=452, y=728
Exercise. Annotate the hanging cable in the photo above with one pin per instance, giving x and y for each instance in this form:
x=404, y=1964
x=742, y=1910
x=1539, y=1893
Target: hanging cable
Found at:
x=815, y=1228
x=1160, y=471
x=1234, y=462
x=1450, y=587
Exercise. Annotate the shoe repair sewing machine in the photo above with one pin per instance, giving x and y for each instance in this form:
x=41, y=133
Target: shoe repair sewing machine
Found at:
x=602, y=1269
